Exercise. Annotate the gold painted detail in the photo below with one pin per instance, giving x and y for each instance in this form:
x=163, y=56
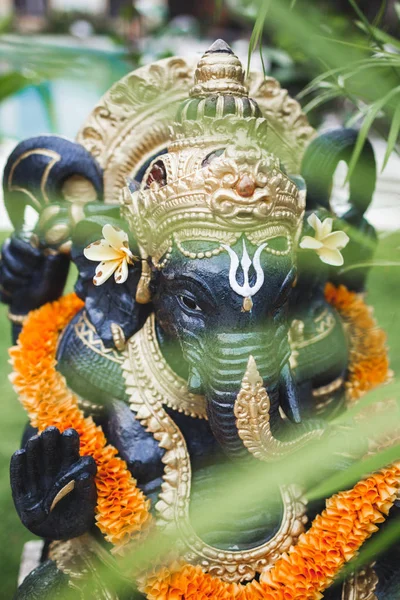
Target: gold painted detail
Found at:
x=78, y=190
x=164, y=384
x=86, y=332
x=89, y=408
x=206, y=203
x=219, y=72
x=80, y=559
x=54, y=158
x=361, y=585
x=146, y=386
x=17, y=319
x=118, y=337
x=252, y=411
x=324, y=325
x=288, y=126
x=62, y=493
x=329, y=388
x=131, y=122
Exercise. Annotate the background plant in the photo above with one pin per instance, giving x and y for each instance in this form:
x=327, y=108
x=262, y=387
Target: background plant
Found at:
x=349, y=64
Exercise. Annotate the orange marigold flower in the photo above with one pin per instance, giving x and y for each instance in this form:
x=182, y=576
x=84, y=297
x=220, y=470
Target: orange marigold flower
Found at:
x=369, y=362
x=311, y=566
x=122, y=510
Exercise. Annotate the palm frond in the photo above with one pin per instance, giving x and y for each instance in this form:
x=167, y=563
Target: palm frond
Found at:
x=366, y=126
x=13, y=82
x=393, y=137
x=256, y=35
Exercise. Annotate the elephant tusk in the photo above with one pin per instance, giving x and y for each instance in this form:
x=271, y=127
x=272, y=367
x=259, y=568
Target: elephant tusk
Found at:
x=252, y=412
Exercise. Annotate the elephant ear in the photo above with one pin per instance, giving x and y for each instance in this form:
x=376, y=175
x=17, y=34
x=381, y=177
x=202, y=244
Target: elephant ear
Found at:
x=318, y=168
x=47, y=170
x=319, y=165
x=111, y=302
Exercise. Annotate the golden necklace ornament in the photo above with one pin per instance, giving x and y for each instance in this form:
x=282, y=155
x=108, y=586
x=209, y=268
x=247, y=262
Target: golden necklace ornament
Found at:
x=151, y=386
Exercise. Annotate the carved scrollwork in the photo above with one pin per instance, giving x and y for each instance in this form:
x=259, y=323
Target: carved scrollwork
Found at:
x=131, y=122
x=289, y=129
x=361, y=585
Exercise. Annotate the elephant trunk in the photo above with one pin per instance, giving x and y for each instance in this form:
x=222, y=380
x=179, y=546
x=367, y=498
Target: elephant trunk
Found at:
x=222, y=373
x=242, y=380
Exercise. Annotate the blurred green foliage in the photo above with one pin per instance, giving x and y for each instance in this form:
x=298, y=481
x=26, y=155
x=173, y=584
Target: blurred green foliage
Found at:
x=357, y=61
x=353, y=60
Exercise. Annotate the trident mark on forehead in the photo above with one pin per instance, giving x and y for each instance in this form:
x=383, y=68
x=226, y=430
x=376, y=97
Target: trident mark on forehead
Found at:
x=245, y=290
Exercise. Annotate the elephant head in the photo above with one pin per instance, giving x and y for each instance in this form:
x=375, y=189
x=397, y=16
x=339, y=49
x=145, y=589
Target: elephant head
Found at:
x=216, y=221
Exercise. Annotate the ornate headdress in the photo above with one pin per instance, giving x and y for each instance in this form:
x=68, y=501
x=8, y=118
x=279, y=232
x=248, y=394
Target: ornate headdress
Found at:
x=218, y=179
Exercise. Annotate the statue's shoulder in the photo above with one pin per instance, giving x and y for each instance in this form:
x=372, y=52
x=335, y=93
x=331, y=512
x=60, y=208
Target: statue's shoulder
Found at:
x=92, y=370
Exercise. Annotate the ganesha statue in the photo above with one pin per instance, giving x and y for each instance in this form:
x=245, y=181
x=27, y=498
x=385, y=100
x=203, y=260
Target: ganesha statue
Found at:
x=216, y=328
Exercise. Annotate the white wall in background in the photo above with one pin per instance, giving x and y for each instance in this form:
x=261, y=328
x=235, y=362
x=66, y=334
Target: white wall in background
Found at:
x=6, y=7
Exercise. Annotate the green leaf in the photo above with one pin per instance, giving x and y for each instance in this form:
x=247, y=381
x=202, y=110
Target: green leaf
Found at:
x=362, y=17
x=258, y=29
x=380, y=35
x=322, y=99
x=366, y=126
x=344, y=479
x=393, y=137
x=262, y=58
x=380, y=14
x=397, y=9
x=369, y=264
x=345, y=43
x=11, y=83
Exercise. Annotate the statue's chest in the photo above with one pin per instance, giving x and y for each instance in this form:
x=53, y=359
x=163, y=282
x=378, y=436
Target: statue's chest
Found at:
x=155, y=400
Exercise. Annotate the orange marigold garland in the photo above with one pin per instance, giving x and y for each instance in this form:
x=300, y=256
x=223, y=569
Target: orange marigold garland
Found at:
x=369, y=362
x=122, y=509
x=334, y=538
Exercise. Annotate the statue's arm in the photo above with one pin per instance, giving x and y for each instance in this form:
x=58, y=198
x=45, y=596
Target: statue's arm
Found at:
x=29, y=278
x=53, y=487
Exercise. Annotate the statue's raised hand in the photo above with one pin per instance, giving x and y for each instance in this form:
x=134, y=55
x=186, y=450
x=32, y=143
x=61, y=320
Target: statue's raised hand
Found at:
x=53, y=487
x=29, y=277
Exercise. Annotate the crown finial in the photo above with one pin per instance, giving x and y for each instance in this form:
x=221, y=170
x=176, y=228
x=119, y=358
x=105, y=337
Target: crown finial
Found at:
x=219, y=46
x=219, y=72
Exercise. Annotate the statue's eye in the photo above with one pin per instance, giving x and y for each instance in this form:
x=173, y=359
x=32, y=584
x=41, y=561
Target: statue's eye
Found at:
x=189, y=303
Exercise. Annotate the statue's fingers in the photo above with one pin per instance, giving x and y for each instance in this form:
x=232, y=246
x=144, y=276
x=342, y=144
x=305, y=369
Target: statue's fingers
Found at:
x=10, y=280
x=86, y=488
x=16, y=262
x=5, y=295
x=33, y=462
x=18, y=473
x=52, y=456
x=69, y=448
x=24, y=251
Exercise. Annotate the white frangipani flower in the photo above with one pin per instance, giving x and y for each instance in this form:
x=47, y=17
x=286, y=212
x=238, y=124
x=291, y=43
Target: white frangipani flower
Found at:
x=327, y=244
x=113, y=253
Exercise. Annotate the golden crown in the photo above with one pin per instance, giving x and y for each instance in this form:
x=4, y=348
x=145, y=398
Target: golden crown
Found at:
x=218, y=179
